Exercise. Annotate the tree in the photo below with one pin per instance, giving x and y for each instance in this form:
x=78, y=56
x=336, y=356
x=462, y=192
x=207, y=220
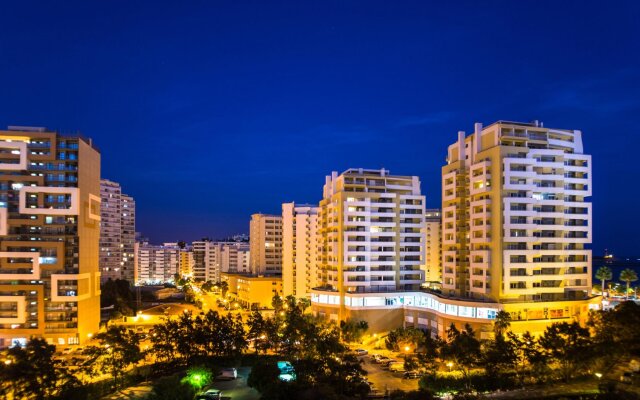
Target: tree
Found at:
x=431, y=352
x=263, y=375
x=462, y=348
x=31, y=373
x=259, y=332
x=118, y=293
x=616, y=332
x=498, y=355
x=628, y=275
x=197, y=377
x=569, y=345
x=528, y=356
x=207, y=286
x=352, y=330
x=224, y=288
x=277, y=303
x=119, y=349
x=402, y=338
x=604, y=274
x=172, y=388
x=501, y=323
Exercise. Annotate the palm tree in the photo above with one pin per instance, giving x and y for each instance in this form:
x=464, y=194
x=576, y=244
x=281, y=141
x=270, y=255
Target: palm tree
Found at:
x=502, y=322
x=628, y=275
x=604, y=274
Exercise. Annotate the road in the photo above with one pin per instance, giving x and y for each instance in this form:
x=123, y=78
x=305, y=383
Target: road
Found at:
x=237, y=389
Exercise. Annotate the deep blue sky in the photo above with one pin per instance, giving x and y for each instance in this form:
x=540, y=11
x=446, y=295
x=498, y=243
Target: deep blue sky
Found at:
x=209, y=111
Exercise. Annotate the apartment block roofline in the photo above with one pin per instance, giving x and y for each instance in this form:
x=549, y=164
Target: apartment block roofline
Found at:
x=381, y=172
x=42, y=129
x=533, y=124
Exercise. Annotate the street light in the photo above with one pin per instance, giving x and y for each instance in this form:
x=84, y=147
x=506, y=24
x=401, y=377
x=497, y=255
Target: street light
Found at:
x=599, y=375
x=407, y=348
x=449, y=364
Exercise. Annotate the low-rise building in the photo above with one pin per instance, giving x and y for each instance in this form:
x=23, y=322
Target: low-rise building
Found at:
x=426, y=310
x=252, y=291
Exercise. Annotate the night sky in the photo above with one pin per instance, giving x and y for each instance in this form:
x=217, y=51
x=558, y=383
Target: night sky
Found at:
x=209, y=111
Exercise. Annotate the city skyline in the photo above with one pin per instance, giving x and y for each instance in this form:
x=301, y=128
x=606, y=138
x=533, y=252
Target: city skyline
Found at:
x=272, y=113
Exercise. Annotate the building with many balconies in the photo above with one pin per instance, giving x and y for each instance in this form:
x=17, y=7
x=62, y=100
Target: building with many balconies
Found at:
x=156, y=264
x=433, y=247
x=516, y=219
x=299, y=249
x=265, y=241
x=371, y=233
x=117, y=233
x=49, y=237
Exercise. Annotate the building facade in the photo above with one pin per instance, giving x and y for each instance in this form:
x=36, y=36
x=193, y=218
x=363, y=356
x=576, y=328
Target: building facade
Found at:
x=516, y=219
x=299, y=249
x=433, y=246
x=233, y=257
x=251, y=291
x=516, y=223
x=265, y=240
x=49, y=237
x=186, y=262
x=117, y=233
x=156, y=264
x=212, y=258
x=371, y=232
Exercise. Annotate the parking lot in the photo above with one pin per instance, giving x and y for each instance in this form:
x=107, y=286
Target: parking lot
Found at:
x=237, y=389
x=385, y=380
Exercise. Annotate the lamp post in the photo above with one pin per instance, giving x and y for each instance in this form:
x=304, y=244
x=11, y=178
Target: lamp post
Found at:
x=449, y=364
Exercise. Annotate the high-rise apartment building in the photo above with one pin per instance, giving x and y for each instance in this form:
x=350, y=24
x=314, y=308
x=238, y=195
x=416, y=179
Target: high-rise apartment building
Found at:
x=299, y=249
x=265, y=239
x=212, y=258
x=233, y=257
x=117, y=233
x=204, y=261
x=186, y=261
x=156, y=264
x=371, y=232
x=433, y=246
x=49, y=237
x=516, y=219
x=515, y=225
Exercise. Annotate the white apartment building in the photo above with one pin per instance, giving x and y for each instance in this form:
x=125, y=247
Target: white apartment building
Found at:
x=265, y=240
x=516, y=219
x=433, y=246
x=117, y=232
x=212, y=258
x=299, y=249
x=156, y=263
x=372, y=232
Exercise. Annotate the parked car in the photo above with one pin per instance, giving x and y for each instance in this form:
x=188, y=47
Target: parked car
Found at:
x=384, y=359
x=211, y=394
x=396, y=367
x=228, y=373
x=67, y=350
x=626, y=377
x=361, y=352
x=391, y=363
x=412, y=375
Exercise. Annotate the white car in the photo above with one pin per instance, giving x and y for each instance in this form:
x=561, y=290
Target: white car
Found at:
x=228, y=373
x=361, y=352
x=211, y=394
